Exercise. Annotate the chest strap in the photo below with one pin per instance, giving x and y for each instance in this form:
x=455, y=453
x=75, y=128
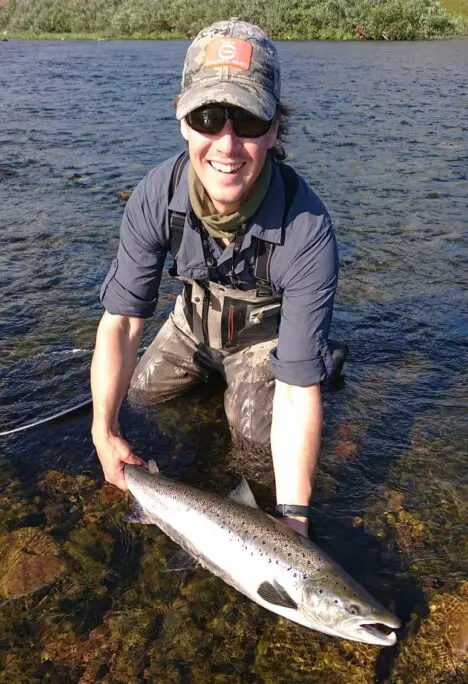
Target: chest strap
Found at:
x=264, y=250
x=176, y=218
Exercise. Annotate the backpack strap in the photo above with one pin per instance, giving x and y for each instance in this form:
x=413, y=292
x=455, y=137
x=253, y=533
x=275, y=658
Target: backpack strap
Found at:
x=176, y=218
x=264, y=251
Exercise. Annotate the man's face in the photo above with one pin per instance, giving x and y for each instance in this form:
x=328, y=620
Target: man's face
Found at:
x=227, y=165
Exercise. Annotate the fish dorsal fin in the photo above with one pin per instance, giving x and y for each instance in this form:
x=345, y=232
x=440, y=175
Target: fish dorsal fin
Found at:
x=276, y=594
x=153, y=466
x=243, y=494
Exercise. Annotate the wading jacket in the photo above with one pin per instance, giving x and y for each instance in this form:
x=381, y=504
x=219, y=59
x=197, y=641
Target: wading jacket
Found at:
x=224, y=303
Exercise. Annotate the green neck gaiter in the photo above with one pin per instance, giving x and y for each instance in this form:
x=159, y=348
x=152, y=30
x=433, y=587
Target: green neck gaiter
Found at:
x=221, y=225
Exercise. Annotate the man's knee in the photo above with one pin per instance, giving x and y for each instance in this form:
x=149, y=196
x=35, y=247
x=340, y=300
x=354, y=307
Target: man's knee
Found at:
x=167, y=368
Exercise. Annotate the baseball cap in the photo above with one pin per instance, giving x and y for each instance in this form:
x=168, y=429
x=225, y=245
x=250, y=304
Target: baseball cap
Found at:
x=231, y=62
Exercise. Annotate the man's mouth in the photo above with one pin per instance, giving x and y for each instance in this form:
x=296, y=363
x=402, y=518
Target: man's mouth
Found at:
x=226, y=168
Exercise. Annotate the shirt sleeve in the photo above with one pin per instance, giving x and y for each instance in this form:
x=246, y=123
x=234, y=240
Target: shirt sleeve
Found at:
x=302, y=357
x=132, y=283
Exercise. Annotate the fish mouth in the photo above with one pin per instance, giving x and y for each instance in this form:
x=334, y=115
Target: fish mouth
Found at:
x=379, y=633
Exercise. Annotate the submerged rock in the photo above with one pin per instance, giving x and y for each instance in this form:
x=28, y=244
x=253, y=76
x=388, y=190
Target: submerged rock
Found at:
x=29, y=560
x=125, y=194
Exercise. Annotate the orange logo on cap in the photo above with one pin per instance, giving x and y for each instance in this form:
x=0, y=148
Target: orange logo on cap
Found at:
x=230, y=52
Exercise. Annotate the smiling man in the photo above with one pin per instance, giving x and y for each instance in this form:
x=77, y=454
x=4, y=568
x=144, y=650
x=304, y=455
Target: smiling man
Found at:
x=255, y=249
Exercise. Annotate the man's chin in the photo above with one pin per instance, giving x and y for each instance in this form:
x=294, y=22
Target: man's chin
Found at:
x=226, y=203
x=226, y=207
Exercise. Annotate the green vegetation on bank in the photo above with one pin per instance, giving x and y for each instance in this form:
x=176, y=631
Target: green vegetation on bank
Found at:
x=282, y=19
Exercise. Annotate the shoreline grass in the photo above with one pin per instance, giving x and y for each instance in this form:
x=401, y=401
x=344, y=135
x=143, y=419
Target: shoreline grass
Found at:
x=301, y=20
x=30, y=35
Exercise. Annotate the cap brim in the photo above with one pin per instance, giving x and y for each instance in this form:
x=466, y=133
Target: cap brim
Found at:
x=248, y=96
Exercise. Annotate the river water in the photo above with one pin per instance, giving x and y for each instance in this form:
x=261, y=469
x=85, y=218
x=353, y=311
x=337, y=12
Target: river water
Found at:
x=379, y=130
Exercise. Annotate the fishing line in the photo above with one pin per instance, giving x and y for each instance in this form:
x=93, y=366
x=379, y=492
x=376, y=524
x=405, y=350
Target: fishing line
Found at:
x=48, y=419
x=55, y=416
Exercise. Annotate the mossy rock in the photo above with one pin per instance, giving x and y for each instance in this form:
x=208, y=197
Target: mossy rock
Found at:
x=438, y=652
x=114, y=651
x=30, y=560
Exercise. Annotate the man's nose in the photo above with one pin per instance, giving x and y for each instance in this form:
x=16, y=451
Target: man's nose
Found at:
x=227, y=139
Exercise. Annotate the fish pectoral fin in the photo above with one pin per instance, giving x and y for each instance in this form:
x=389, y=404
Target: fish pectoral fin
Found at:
x=180, y=561
x=276, y=594
x=139, y=515
x=153, y=466
x=243, y=494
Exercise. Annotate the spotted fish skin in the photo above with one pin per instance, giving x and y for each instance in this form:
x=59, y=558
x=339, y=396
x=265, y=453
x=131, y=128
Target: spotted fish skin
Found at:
x=261, y=557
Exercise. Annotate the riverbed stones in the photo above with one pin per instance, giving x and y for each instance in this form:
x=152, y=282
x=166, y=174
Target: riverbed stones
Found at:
x=437, y=649
x=30, y=561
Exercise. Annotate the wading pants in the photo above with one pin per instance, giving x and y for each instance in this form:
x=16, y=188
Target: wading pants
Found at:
x=177, y=361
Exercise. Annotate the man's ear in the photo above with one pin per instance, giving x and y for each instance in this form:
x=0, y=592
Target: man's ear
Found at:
x=184, y=129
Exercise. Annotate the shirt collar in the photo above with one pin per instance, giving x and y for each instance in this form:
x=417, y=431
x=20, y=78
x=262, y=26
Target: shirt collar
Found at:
x=267, y=222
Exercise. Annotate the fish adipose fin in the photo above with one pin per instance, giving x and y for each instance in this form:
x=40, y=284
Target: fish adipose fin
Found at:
x=243, y=494
x=139, y=515
x=275, y=594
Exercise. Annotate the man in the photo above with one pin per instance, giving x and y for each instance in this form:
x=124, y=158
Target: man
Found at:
x=255, y=249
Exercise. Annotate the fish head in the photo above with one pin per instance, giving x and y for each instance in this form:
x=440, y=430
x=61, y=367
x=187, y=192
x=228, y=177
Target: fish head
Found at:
x=335, y=604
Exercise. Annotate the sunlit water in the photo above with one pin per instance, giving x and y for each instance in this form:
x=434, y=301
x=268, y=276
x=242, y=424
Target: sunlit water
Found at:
x=379, y=130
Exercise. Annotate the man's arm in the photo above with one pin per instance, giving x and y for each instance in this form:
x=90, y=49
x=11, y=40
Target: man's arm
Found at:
x=295, y=442
x=114, y=360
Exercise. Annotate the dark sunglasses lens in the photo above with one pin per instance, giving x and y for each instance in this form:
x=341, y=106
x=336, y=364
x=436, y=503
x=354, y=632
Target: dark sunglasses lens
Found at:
x=247, y=125
x=207, y=119
x=210, y=120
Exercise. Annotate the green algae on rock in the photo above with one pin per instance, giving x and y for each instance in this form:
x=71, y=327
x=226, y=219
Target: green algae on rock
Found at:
x=114, y=651
x=289, y=653
x=91, y=548
x=30, y=561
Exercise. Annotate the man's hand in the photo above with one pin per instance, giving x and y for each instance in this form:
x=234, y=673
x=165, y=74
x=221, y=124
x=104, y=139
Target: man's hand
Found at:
x=113, y=363
x=113, y=452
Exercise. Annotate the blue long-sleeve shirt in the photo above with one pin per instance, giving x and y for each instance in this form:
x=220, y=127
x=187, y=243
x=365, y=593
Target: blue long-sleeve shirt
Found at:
x=304, y=266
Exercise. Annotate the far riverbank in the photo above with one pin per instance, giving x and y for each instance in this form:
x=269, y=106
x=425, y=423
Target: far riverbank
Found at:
x=304, y=20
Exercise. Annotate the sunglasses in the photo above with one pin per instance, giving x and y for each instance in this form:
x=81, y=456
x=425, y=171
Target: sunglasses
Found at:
x=210, y=120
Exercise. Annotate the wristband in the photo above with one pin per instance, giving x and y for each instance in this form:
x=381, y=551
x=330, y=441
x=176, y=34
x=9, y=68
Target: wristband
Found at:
x=283, y=510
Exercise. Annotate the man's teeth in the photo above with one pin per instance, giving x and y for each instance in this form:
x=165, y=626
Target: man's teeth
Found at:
x=225, y=168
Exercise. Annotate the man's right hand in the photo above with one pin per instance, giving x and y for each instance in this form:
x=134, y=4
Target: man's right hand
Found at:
x=114, y=451
x=113, y=363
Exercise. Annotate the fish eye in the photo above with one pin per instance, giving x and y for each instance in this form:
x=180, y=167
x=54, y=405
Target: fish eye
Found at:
x=354, y=609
